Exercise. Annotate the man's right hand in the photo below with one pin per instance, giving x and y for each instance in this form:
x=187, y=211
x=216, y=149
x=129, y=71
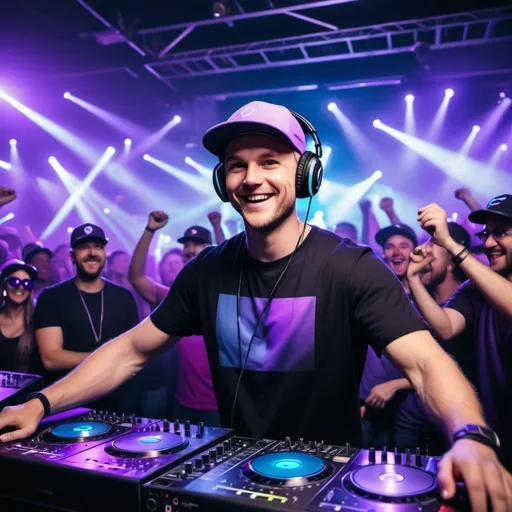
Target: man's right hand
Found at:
x=157, y=220
x=386, y=204
x=419, y=259
x=20, y=421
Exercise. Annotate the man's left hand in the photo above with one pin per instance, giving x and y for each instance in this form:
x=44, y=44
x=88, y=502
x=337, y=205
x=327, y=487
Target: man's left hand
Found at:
x=483, y=475
x=434, y=222
x=381, y=394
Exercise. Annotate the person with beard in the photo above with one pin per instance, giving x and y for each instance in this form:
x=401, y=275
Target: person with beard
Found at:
x=193, y=391
x=75, y=317
x=287, y=311
x=483, y=305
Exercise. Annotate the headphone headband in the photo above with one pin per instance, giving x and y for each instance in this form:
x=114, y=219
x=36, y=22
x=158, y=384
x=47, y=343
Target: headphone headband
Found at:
x=307, y=127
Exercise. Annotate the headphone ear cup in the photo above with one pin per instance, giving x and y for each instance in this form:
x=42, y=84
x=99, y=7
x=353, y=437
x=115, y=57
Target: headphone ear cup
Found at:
x=219, y=182
x=309, y=175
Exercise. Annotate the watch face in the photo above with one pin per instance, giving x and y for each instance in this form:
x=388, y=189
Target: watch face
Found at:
x=484, y=432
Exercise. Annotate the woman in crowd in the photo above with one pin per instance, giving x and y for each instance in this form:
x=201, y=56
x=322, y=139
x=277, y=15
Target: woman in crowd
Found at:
x=17, y=347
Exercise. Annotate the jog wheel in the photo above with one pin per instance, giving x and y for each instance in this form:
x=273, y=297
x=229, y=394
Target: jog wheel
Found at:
x=146, y=445
x=77, y=431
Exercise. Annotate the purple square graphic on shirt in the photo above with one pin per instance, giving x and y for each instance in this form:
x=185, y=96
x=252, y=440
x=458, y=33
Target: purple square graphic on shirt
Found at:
x=284, y=342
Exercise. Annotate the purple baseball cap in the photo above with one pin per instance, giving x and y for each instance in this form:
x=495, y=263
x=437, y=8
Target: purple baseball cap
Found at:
x=257, y=117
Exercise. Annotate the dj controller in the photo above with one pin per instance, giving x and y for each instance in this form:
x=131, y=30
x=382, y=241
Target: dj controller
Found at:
x=86, y=460
x=15, y=387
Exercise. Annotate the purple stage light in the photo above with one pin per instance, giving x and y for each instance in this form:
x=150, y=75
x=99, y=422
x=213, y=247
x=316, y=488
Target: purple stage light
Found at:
x=146, y=157
x=127, y=142
x=377, y=175
x=177, y=119
x=13, y=142
x=70, y=230
x=377, y=123
x=409, y=98
x=52, y=160
x=449, y=92
x=476, y=128
x=331, y=107
x=503, y=147
x=106, y=211
x=188, y=160
x=502, y=95
x=67, y=95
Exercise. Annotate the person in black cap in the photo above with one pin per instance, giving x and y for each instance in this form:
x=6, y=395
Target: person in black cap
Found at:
x=17, y=350
x=75, y=317
x=194, y=240
x=397, y=242
x=40, y=257
x=482, y=305
x=287, y=311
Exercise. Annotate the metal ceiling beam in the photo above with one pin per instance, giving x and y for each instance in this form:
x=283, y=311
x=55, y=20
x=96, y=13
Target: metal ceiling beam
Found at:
x=243, y=16
x=375, y=40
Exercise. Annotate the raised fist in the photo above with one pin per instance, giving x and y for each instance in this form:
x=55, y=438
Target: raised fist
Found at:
x=214, y=218
x=419, y=260
x=365, y=205
x=7, y=195
x=433, y=220
x=462, y=193
x=386, y=204
x=157, y=220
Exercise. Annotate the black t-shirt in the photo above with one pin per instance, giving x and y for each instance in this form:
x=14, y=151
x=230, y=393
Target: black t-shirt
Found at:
x=61, y=306
x=8, y=353
x=305, y=364
x=494, y=348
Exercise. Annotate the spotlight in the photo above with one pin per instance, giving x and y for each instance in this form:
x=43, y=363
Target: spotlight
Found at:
x=13, y=142
x=377, y=175
x=146, y=157
x=110, y=150
x=331, y=107
x=409, y=98
x=377, y=123
x=177, y=119
x=449, y=92
x=188, y=160
x=476, y=128
x=503, y=147
x=52, y=160
x=70, y=230
x=106, y=211
x=502, y=95
x=67, y=95
x=127, y=142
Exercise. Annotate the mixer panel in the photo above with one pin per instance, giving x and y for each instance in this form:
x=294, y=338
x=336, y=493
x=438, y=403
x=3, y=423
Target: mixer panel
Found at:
x=15, y=387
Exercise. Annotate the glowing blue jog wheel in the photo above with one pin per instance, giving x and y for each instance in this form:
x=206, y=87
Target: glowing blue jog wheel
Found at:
x=81, y=429
x=283, y=465
x=147, y=443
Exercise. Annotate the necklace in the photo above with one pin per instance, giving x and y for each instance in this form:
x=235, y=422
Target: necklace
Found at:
x=97, y=337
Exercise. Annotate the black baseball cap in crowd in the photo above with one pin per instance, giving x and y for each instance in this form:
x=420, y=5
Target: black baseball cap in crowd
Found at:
x=30, y=250
x=11, y=266
x=87, y=233
x=499, y=207
x=384, y=234
x=196, y=234
x=459, y=234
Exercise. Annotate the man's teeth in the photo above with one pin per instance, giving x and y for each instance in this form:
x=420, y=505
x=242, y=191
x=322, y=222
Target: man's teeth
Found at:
x=258, y=198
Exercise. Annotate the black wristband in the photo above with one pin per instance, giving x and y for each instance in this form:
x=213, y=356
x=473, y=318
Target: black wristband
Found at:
x=42, y=398
x=459, y=258
x=478, y=439
x=150, y=229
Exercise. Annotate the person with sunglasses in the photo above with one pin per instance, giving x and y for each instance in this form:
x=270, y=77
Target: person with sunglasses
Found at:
x=483, y=305
x=17, y=348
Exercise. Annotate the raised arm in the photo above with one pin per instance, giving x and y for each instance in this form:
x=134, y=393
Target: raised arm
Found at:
x=466, y=196
x=445, y=322
x=387, y=205
x=152, y=291
x=215, y=219
x=496, y=289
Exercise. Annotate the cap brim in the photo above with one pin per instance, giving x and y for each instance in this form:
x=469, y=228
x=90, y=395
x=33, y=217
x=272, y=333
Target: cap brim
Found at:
x=216, y=139
x=194, y=239
x=85, y=239
x=482, y=216
x=383, y=235
x=10, y=269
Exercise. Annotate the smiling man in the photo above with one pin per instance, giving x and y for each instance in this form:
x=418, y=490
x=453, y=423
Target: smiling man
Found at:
x=397, y=242
x=287, y=311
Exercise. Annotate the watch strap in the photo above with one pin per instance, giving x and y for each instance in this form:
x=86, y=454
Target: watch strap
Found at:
x=42, y=398
x=478, y=433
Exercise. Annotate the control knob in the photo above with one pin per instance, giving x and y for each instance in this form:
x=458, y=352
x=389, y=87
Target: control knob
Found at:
x=288, y=442
x=301, y=443
x=384, y=455
x=213, y=455
x=371, y=456
x=418, y=457
x=206, y=458
x=227, y=445
x=407, y=457
x=177, y=427
x=198, y=463
x=189, y=469
x=220, y=450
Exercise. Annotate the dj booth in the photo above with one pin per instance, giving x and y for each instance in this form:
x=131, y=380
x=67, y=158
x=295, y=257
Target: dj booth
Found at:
x=86, y=460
